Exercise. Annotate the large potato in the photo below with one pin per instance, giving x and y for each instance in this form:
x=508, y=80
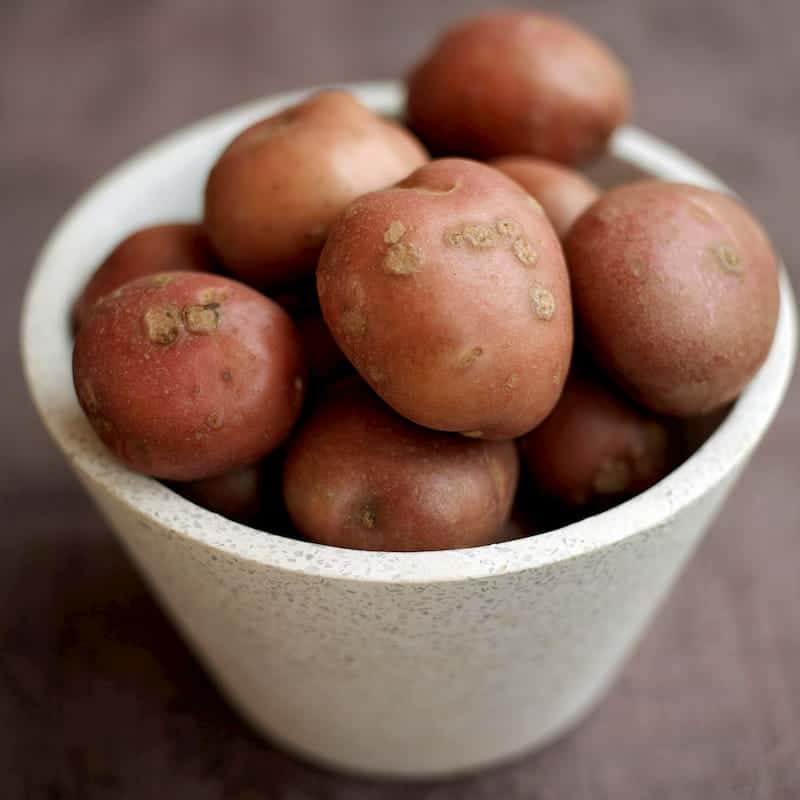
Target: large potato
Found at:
x=518, y=82
x=277, y=187
x=357, y=475
x=596, y=447
x=186, y=376
x=449, y=294
x=172, y=247
x=676, y=293
x=563, y=193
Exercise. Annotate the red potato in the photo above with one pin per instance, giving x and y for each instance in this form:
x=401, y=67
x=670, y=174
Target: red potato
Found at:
x=596, y=447
x=278, y=186
x=449, y=294
x=237, y=494
x=518, y=83
x=186, y=376
x=676, y=293
x=359, y=476
x=563, y=193
x=161, y=248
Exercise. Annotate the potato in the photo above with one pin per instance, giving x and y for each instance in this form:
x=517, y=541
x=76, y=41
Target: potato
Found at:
x=186, y=376
x=563, y=193
x=277, y=187
x=518, y=83
x=237, y=494
x=596, y=447
x=449, y=294
x=160, y=248
x=676, y=293
x=357, y=475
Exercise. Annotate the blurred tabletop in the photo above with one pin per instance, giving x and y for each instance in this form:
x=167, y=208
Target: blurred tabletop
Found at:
x=98, y=696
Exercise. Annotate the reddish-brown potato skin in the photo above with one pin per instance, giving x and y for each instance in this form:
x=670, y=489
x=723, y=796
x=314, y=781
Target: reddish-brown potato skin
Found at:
x=596, y=447
x=186, y=375
x=518, y=83
x=676, y=293
x=277, y=187
x=359, y=476
x=449, y=294
x=563, y=193
x=237, y=494
x=174, y=247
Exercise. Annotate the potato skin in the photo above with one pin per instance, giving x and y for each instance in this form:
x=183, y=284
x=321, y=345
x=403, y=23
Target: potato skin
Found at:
x=518, y=83
x=186, y=375
x=277, y=187
x=676, y=293
x=237, y=494
x=563, y=193
x=597, y=448
x=359, y=476
x=449, y=294
x=173, y=247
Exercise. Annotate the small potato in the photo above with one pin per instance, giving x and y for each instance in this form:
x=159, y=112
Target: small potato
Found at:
x=359, y=476
x=676, y=293
x=278, y=186
x=596, y=448
x=173, y=247
x=518, y=83
x=186, y=376
x=237, y=494
x=449, y=294
x=563, y=193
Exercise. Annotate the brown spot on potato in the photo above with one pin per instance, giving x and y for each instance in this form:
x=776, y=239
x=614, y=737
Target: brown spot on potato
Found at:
x=215, y=420
x=700, y=212
x=481, y=237
x=402, y=258
x=470, y=357
x=376, y=375
x=195, y=391
x=90, y=402
x=524, y=251
x=512, y=381
x=368, y=514
x=162, y=325
x=354, y=322
x=543, y=302
x=201, y=319
x=394, y=233
x=535, y=203
x=636, y=266
x=227, y=375
x=507, y=228
x=472, y=434
x=613, y=476
x=213, y=295
x=728, y=259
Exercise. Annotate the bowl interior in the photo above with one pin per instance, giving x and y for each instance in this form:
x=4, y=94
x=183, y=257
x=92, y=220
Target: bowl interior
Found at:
x=165, y=182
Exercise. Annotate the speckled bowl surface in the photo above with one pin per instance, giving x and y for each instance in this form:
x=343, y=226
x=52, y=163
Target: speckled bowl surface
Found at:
x=403, y=664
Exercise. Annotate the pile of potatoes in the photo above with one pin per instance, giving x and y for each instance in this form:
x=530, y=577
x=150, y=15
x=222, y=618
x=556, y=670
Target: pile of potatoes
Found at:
x=376, y=349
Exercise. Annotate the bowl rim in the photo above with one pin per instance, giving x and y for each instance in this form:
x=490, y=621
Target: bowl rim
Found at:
x=159, y=508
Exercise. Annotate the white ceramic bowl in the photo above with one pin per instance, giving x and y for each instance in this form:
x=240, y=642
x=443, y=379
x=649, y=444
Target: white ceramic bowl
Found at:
x=404, y=664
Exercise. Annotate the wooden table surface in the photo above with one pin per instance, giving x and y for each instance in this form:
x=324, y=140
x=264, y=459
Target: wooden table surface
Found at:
x=98, y=696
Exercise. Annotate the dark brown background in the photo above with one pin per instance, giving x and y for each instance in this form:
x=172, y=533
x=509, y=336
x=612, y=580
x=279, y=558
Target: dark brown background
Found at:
x=98, y=698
